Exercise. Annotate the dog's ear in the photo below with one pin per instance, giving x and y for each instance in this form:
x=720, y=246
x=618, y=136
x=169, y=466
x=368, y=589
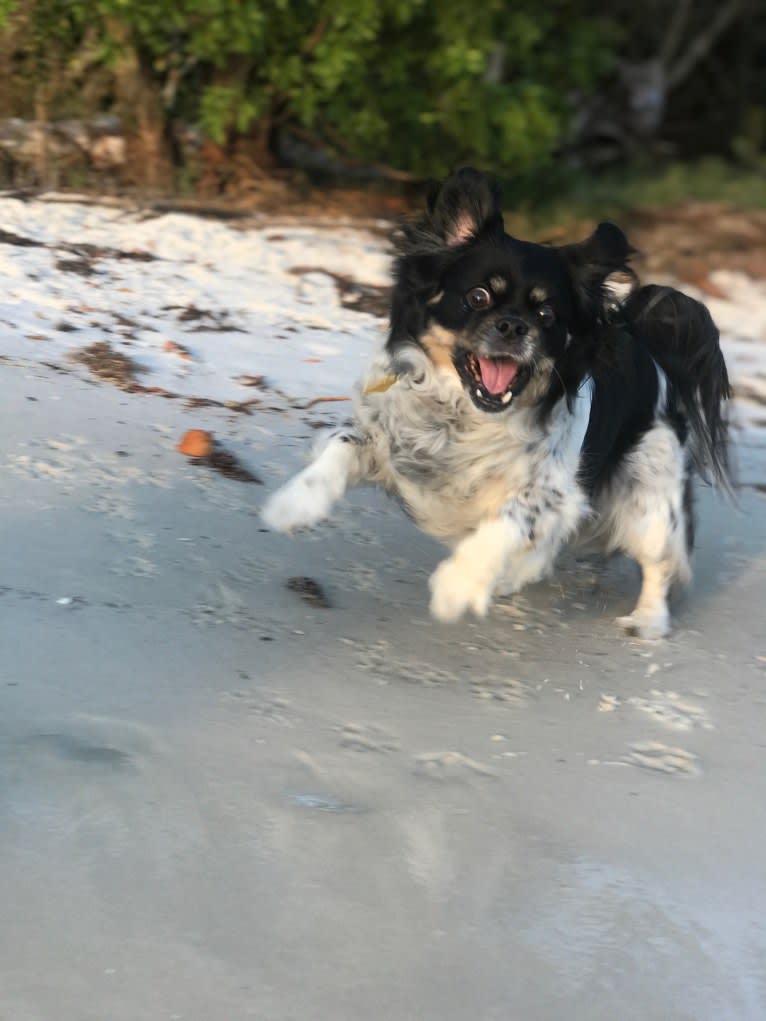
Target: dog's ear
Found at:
x=464, y=207
x=605, y=251
x=591, y=262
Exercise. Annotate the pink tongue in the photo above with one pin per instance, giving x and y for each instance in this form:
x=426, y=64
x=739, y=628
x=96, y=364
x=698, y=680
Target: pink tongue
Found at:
x=497, y=374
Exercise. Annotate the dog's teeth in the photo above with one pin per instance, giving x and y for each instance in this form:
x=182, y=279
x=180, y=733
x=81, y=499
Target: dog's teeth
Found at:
x=506, y=397
x=478, y=392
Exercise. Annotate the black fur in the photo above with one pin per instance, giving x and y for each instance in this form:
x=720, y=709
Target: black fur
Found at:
x=681, y=336
x=461, y=243
x=624, y=399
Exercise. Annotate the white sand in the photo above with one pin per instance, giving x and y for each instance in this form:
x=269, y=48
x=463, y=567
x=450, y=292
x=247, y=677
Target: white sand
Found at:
x=219, y=802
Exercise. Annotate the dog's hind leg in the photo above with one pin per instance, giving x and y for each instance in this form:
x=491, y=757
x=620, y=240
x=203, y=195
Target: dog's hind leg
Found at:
x=651, y=617
x=308, y=498
x=651, y=521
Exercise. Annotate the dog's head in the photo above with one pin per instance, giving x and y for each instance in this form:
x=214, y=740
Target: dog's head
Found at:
x=510, y=319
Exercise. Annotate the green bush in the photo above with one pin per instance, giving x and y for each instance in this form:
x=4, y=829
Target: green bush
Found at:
x=414, y=85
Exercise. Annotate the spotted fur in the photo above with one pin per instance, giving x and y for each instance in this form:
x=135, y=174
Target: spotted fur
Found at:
x=597, y=433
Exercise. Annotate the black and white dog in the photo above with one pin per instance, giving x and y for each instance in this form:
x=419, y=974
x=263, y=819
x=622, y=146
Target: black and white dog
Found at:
x=518, y=402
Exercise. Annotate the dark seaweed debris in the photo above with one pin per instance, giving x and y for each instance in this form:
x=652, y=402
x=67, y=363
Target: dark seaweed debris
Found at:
x=309, y=590
x=228, y=465
x=109, y=364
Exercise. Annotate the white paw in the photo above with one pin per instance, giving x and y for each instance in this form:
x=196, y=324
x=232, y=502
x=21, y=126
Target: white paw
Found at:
x=645, y=625
x=302, y=503
x=455, y=588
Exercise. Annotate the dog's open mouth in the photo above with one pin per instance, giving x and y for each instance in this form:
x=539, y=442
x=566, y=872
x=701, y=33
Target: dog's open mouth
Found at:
x=492, y=383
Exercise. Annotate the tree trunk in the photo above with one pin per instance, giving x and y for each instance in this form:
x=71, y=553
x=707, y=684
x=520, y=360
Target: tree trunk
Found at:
x=142, y=111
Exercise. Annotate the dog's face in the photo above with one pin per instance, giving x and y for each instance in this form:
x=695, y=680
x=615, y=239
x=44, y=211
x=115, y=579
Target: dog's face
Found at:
x=503, y=313
x=505, y=316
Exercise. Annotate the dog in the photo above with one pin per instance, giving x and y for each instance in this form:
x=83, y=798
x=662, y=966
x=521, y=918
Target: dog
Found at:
x=527, y=395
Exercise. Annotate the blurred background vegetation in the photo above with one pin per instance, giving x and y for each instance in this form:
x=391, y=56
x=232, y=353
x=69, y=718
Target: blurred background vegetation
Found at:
x=568, y=101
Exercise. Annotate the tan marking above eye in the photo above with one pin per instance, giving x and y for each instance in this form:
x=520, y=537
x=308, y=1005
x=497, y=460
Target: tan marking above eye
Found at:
x=436, y=299
x=538, y=295
x=498, y=284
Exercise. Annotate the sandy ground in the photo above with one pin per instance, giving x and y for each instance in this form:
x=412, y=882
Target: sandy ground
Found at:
x=219, y=800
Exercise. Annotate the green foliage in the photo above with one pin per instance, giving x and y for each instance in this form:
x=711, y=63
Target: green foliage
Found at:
x=416, y=85
x=556, y=199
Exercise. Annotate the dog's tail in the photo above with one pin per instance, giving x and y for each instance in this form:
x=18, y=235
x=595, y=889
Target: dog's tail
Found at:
x=684, y=341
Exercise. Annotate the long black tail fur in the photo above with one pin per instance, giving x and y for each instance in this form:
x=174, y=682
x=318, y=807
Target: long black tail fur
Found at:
x=684, y=341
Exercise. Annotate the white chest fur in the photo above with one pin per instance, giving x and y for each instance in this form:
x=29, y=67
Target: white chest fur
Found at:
x=454, y=466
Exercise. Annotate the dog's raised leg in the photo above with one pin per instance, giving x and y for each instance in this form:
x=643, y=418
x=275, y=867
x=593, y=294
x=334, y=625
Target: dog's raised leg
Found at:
x=309, y=496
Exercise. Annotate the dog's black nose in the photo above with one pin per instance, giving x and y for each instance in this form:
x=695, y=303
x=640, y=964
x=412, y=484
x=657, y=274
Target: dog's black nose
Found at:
x=512, y=326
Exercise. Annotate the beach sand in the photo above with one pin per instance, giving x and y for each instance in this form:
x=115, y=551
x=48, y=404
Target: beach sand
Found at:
x=227, y=792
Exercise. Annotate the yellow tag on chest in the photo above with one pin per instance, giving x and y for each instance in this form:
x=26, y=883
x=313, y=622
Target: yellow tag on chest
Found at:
x=379, y=386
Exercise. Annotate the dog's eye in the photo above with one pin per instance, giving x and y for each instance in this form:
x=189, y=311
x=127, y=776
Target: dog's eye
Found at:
x=478, y=298
x=546, y=314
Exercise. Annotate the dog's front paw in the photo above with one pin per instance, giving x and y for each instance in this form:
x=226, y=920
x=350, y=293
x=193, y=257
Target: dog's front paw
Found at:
x=455, y=588
x=649, y=626
x=302, y=503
